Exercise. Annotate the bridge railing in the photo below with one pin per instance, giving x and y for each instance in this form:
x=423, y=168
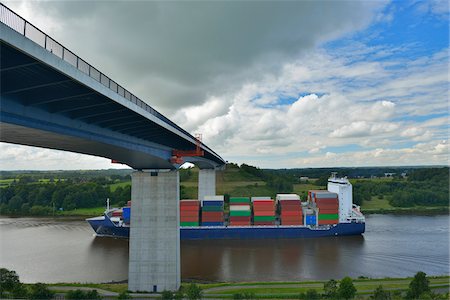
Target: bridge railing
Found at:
x=22, y=26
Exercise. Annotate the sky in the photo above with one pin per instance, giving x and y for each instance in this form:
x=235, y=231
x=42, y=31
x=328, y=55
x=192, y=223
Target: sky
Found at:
x=286, y=84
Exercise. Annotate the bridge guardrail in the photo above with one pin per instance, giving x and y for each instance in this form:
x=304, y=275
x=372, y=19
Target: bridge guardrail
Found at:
x=22, y=26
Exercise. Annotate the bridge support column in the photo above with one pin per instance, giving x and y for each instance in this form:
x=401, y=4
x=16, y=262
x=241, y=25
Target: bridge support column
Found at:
x=154, y=261
x=206, y=183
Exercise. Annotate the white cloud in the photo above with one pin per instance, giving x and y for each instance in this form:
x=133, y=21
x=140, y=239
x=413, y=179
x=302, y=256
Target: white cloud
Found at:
x=14, y=157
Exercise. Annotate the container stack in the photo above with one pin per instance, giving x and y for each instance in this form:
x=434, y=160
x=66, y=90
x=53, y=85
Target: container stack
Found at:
x=263, y=211
x=212, y=211
x=189, y=212
x=240, y=211
x=327, y=204
x=291, y=209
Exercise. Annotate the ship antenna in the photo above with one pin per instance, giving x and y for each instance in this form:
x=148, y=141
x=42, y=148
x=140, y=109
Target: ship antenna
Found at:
x=333, y=174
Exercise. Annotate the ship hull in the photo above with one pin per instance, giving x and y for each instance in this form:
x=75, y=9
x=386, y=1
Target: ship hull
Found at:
x=103, y=226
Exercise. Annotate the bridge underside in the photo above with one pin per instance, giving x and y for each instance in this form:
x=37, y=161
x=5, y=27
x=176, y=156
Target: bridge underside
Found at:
x=47, y=102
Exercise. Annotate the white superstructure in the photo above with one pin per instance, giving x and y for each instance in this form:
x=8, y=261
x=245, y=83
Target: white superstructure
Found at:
x=347, y=210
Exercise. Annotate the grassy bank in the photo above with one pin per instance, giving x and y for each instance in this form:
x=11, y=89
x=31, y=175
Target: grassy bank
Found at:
x=278, y=290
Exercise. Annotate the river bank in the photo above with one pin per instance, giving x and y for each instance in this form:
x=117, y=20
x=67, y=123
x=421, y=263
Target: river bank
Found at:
x=280, y=290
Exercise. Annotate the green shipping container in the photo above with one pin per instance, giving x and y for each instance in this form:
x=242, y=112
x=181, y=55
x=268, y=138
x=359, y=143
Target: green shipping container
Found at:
x=264, y=218
x=189, y=223
x=239, y=200
x=240, y=213
x=328, y=216
x=212, y=208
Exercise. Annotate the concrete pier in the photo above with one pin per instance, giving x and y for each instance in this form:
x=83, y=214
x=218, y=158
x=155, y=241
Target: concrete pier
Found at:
x=206, y=183
x=154, y=261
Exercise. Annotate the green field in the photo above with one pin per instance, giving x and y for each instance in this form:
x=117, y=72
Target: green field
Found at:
x=84, y=212
x=122, y=184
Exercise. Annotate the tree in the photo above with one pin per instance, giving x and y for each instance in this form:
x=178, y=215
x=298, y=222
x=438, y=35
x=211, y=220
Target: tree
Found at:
x=330, y=289
x=419, y=285
x=124, y=295
x=167, y=295
x=381, y=294
x=346, y=289
x=9, y=280
x=193, y=292
x=79, y=294
x=312, y=294
x=40, y=291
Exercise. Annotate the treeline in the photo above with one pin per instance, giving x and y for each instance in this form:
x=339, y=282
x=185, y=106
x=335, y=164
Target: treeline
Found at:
x=278, y=180
x=45, y=199
x=359, y=172
x=423, y=187
x=69, y=174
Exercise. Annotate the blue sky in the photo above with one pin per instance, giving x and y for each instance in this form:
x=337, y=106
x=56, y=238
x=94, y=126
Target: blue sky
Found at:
x=284, y=84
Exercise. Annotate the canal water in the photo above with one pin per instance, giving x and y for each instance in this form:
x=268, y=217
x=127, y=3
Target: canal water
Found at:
x=49, y=250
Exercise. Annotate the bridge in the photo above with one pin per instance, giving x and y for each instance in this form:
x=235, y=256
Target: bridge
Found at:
x=52, y=98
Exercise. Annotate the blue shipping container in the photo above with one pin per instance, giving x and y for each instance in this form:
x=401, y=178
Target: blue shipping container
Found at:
x=126, y=214
x=311, y=220
x=212, y=203
x=212, y=223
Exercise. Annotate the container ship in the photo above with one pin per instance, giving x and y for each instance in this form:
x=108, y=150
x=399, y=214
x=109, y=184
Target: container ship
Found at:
x=328, y=212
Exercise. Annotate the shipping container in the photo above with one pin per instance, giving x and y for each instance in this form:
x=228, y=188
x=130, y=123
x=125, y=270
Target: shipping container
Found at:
x=189, y=223
x=212, y=223
x=328, y=217
x=239, y=213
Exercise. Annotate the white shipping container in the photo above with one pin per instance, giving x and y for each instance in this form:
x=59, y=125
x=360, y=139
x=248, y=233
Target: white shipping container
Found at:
x=326, y=194
x=260, y=198
x=213, y=198
x=239, y=207
x=287, y=197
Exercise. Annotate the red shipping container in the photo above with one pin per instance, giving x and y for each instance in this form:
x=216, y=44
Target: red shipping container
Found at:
x=289, y=201
x=239, y=223
x=189, y=213
x=291, y=223
x=328, y=222
x=268, y=201
x=215, y=214
x=328, y=211
x=211, y=219
x=264, y=206
x=290, y=212
x=259, y=223
x=330, y=205
x=189, y=203
x=239, y=218
x=298, y=220
x=189, y=219
x=327, y=202
x=263, y=213
x=190, y=208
